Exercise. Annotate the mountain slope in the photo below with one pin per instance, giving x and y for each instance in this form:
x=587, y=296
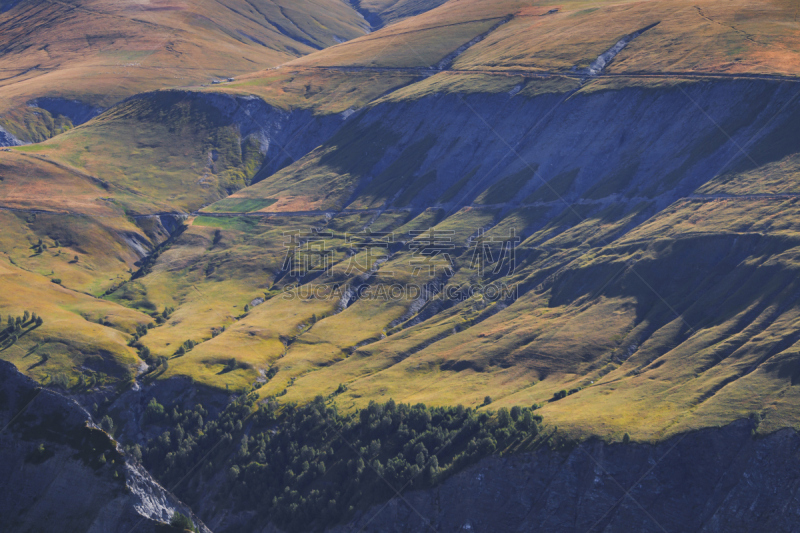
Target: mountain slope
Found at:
x=676, y=36
x=65, y=59
x=575, y=220
x=589, y=260
x=613, y=298
x=65, y=62
x=648, y=190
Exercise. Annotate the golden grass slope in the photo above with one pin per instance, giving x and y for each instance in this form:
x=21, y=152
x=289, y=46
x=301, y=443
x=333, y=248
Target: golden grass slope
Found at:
x=89, y=242
x=725, y=265
x=155, y=154
x=31, y=183
x=99, y=52
x=716, y=341
x=687, y=321
x=322, y=91
x=731, y=37
x=71, y=341
x=599, y=328
x=63, y=244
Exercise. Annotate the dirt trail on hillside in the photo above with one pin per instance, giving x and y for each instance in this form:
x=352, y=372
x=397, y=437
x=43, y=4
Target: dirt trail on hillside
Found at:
x=507, y=205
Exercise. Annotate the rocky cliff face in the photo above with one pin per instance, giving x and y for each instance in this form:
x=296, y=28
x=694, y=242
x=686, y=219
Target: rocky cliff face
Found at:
x=284, y=136
x=76, y=111
x=648, y=145
x=645, y=143
x=60, y=473
x=6, y=139
x=713, y=480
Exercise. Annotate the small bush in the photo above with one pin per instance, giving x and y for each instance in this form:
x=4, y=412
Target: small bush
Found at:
x=560, y=394
x=154, y=411
x=181, y=522
x=60, y=380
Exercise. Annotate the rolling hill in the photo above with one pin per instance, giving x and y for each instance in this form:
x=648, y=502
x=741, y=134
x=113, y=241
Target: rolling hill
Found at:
x=65, y=62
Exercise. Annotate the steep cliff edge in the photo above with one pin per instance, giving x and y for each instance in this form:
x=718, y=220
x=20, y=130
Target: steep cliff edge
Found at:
x=59, y=472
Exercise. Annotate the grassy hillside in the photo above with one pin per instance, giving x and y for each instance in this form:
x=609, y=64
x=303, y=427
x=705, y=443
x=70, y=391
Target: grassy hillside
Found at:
x=82, y=341
x=161, y=152
x=321, y=91
x=98, y=52
x=66, y=224
x=713, y=343
x=652, y=321
x=652, y=213
x=712, y=36
x=64, y=244
x=63, y=61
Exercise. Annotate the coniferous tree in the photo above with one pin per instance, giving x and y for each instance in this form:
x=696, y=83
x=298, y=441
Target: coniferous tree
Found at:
x=107, y=424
